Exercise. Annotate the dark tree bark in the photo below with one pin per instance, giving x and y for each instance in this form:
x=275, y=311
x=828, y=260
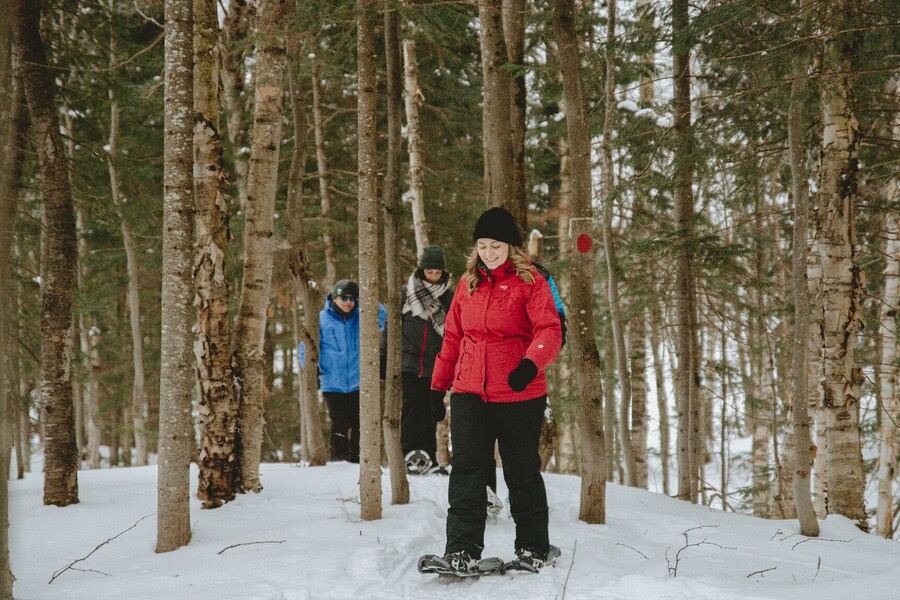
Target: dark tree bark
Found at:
x=59, y=255
x=391, y=203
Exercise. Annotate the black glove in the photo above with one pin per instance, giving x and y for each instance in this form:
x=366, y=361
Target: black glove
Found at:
x=522, y=375
x=438, y=409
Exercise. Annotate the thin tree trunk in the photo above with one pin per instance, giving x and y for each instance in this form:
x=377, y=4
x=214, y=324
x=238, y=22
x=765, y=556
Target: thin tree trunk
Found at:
x=259, y=241
x=841, y=283
x=662, y=400
x=304, y=283
x=887, y=332
x=498, y=152
x=586, y=359
x=369, y=387
x=176, y=432
x=217, y=408
x=609, y=187
x=685, y=391
x=801, y=422
x=639, y=426
x=393, y=400
x=235, y=29
x=413, y=97
x=760, y=401
x=138, y=392
x=12, y=132
x=514, y=12
x=324, y=192
x=59, y=252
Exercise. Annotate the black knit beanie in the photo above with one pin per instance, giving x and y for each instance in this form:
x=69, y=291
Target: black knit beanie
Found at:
x=345, y=287
x=433, y=258
x=498, y=224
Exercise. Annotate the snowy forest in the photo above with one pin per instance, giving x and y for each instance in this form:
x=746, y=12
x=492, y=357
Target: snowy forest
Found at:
x=715, y=187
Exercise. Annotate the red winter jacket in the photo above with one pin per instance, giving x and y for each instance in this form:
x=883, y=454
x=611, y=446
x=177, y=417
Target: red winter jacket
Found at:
x=488, y=333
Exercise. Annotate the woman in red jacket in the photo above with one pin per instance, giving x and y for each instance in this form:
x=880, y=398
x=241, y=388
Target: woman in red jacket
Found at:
x=501, y=332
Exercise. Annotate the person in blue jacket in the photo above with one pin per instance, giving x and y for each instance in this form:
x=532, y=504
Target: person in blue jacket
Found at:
x=339, y=366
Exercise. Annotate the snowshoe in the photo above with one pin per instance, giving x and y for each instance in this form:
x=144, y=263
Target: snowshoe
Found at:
x=458, y=564
x=531, y=560
x=417, y=462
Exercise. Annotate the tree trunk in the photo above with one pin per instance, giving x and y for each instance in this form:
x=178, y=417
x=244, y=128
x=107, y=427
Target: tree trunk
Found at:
x=760, y=400
x=393, y=398
x=498, y=152
x=231, y=58
x=324, y=192
x=12, y=132
x=662, y=400
x=367, y=157
x=638, y=355
x=585, y=357
x=217, y=407
x=413, y=97
x=609, y=188
x=59, y=252
x=138, y=393
x=841, y=282
x=801, y=422
x=514, y=12
x=176, y=433
x=685, y=390
x=304, y=283
x=259, y=241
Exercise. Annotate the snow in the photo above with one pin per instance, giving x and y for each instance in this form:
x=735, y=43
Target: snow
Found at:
x=302, y=538
x=629, y=105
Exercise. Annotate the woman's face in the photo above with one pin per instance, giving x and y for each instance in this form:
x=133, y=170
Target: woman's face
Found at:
x=492, y=252
x=432, y=275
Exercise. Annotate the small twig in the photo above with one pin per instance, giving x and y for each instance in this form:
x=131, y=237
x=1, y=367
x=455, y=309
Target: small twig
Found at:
x=571, y=564
x=249, y=544
x=818, y=566
x=761, y=571
x=70, y=566
x=816, y=539
x=644, y=556
x=673, y=570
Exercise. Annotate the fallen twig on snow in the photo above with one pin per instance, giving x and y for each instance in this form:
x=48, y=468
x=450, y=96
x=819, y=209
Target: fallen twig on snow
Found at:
x=71, y=565
x=673, y=570
x=249, y=544
x=571, y=564
x=760, y=572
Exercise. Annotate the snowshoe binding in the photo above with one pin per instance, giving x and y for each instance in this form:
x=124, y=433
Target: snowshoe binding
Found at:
x=458, y=564
x=531, y=560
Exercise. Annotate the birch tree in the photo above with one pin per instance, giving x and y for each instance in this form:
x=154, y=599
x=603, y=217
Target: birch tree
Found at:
x=176, y=433
x=259, y=240
x=585, y=357
x=217, y=409
x=59, y=255
x=841, y=282
x=412, y=100
x=369, y=396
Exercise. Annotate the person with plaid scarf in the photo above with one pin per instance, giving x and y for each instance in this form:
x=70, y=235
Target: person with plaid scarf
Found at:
x=426, y=298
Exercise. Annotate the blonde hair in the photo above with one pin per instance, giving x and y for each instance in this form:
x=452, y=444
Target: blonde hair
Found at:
x=517, y=256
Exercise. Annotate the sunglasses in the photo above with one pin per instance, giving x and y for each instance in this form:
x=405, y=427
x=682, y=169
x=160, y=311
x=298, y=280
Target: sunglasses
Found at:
x=347, y=298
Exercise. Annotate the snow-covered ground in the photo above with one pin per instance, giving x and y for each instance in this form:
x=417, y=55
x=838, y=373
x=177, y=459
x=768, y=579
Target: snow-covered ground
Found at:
x=301, y=538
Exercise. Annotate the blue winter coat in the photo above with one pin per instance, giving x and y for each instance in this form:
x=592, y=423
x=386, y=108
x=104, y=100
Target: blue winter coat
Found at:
x=339, y=348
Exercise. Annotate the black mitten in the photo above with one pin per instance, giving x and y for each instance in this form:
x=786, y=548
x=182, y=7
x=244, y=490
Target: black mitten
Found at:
x=438, y=409
x=522, y=375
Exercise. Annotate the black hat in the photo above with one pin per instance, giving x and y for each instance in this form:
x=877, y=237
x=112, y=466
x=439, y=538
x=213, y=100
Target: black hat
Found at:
x=433, y=258
x=498, y=224
x=345, y=287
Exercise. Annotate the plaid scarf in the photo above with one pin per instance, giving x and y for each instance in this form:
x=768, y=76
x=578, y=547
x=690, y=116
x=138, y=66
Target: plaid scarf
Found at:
x=422, y=300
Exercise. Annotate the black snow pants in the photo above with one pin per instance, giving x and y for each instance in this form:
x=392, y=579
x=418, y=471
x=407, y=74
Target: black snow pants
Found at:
x=516, y=427
x=344, y=412
x=417, y=424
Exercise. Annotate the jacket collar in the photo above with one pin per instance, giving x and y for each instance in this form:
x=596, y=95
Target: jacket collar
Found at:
x=333, y=309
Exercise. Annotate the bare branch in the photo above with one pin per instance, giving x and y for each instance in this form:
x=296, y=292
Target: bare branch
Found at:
x=249, y=544
x=78, y=560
